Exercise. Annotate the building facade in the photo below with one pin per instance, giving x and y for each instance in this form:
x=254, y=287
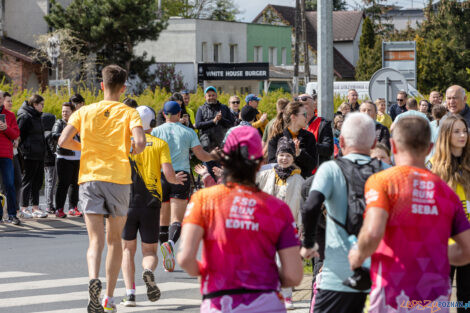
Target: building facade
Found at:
x=188, y=42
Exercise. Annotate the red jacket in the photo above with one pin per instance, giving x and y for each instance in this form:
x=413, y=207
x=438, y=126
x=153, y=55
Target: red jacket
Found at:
x=8, y=135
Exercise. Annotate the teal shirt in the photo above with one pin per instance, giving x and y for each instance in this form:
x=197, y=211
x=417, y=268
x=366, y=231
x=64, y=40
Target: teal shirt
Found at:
x=180, y=140
x=329, y=180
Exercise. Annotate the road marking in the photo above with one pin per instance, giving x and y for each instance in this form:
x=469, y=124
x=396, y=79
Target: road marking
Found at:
x=162, y=304
x=83, y=295
x=4, y=275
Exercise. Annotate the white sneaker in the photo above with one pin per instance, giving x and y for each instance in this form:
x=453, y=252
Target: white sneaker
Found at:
x=26, y=214
x=289, y=304
x=39, y=214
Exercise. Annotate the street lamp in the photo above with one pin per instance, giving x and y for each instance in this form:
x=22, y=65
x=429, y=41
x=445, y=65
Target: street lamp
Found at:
x=53, y=52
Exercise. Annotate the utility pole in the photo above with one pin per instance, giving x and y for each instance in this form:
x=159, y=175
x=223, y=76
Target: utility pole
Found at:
x=295, y=80
x=325, y=58
x=305, y=42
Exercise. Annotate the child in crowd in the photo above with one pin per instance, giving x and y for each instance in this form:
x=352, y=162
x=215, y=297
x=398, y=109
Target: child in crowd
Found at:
x=382, y=153
x=344, y=108
x=337, y=123
x=284, y=182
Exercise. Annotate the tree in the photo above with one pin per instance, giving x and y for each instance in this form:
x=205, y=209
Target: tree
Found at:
x=443, y=44
x=109, y=28
x=220, y=10
x=370, y=56
x=224, y=11
x=338, y=5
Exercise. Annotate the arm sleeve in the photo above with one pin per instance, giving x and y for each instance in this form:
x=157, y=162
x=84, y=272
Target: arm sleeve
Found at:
x=56, y=131
x=135, y=120
x=325, y=141
x=258, y=123
x=12, y=131
x=194, y=212
x=460, y=222
x=194, y=139
x=24, y=125
x=165, y=153
x=288, y=236
x=308, y=157
x=227, y=120
x=272, y=147
x=200, y=124
x=311, y=210
x=375, y=193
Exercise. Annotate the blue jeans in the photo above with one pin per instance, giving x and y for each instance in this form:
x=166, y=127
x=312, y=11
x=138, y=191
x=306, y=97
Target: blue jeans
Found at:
x=8, y=176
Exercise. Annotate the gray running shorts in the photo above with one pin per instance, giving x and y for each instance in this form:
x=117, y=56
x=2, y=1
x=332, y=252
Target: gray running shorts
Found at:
x=99, y=197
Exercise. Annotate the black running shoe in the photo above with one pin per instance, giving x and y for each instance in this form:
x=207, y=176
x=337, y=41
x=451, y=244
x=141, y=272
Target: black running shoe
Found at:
x=94, y=290
x=128, y=301
x=13, y=220
x=153, y=293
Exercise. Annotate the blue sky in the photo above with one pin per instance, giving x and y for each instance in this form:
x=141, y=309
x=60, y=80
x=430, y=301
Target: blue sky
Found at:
x=250, y=8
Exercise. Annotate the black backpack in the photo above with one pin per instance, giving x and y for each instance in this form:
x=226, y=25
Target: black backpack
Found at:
x=356, y=174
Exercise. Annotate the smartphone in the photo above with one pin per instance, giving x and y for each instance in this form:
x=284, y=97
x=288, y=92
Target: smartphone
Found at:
x=2, y=118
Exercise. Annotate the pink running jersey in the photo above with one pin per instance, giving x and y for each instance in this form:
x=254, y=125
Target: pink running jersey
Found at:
x=243, y=229
x=411, y=262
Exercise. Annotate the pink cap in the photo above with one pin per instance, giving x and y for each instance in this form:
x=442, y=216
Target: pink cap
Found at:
x=245, y=136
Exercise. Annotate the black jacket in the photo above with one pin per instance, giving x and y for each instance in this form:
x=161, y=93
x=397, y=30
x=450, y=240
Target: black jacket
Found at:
x=465, y=113
x=32, y=143
x=211, y=134
x=308, y=158
x=325, y=143
x=56, y=131
x=236, y=118
x=382, y=133
x=395, y=110
x=48, y=121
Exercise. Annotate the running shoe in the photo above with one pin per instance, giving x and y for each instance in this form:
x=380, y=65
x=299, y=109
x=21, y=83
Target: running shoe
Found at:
x=153, y=292
x=26, y=213
x=288, y=303
x=168, y=257
x=13, y=220
x=128, y=301
x=75, y=212
x=109, y=306
x=94, y=290
x=60, y=213
x=50, y=210
x=39, y=214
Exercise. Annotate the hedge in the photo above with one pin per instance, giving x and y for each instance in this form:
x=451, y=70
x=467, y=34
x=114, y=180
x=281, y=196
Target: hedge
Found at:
x=155, y=99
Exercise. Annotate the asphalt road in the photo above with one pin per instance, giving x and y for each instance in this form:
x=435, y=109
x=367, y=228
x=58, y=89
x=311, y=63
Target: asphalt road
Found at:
x=43, y=269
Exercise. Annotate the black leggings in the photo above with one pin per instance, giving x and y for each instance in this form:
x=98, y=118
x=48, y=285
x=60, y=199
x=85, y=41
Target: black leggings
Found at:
x=31, y=182
x=67, y=175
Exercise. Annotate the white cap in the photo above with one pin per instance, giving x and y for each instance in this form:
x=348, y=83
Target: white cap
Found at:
x=146, y=115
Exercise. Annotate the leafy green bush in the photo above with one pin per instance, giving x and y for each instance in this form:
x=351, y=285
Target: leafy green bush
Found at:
x=155, y=99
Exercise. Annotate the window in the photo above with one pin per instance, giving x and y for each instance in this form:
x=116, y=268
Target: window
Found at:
x=272, y=55
x=258, y=54
x=216, y=52
x=233, y=53
x=284, y=56
x=204, y=52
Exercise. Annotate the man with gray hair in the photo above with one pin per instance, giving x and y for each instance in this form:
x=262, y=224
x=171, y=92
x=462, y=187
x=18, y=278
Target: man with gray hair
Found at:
x=331, y=187
x=456, y=102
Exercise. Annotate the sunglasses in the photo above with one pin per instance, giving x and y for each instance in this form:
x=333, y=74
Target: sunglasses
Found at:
x=235, y=102
x=400, y=100
x=304, y=98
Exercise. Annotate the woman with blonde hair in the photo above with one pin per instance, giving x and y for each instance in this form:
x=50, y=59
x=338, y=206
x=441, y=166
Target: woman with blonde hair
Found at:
x=382, y=116
x=451, y=162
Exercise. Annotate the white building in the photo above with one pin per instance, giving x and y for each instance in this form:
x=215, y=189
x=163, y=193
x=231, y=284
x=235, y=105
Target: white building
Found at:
x=187, y=42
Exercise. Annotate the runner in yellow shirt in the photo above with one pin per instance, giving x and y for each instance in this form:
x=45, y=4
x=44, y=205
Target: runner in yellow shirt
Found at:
x=105, y=130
